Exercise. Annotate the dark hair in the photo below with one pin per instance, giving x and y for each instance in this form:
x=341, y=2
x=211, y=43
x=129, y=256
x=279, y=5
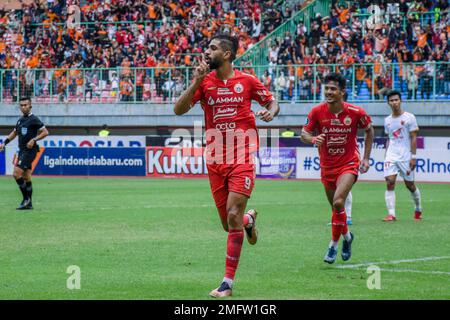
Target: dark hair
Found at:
x=394, y=93
x=336, y=77
x=228, y=42
x=25, y=98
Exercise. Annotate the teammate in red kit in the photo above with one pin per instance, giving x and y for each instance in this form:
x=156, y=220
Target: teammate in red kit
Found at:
x=232, y=139
x=336, y=124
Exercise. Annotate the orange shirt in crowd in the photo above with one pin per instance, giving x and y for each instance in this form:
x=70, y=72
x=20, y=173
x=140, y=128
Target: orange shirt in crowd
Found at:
x=151, y=12
x=422, y=40
x=33, y=62
x=344, y=15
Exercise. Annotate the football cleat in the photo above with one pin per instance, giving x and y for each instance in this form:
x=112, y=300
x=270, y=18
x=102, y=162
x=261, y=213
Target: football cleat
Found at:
x=25, y=205
x=330, y=257
x=251, y=231
x=223, y=291
x=417, y=215
x=389, y=218
x=347, y=248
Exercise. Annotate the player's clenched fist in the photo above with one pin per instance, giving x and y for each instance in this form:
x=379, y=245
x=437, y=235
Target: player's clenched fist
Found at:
x=364, y=167
x=318, y=140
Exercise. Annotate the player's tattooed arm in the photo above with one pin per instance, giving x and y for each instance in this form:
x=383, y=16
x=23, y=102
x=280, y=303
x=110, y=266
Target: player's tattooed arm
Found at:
x=184, y=103
x=271, y=111
x=368, y=142
x=307, y=137
x=9, y=138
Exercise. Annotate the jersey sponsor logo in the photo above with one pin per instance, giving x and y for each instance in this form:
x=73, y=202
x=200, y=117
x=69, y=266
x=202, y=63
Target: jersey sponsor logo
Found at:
x=336, y=122
x=24, y=131
x=262, y=93
x=336, y=151
x=336, y=130
x=224, y=126
x=223, y=91
x=347, y=121
x=224, y=113
x=238, y=88
x=222, y=100
x=336, y=140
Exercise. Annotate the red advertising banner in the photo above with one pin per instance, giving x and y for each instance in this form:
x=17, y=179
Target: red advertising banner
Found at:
x=175, y=162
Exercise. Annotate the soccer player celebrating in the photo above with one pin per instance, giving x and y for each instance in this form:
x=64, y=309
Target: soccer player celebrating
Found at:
x=225, y=95
x=401, y=128
x=333, y=126
x=30, y=130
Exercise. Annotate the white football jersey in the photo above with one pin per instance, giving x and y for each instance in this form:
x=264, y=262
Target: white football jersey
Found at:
x=398, y=130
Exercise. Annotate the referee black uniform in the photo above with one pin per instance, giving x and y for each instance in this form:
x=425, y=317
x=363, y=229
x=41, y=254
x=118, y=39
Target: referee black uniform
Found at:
x=29, y=129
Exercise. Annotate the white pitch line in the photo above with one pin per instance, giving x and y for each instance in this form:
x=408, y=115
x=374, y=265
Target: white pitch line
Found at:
x=416, y=271
x=353, y=266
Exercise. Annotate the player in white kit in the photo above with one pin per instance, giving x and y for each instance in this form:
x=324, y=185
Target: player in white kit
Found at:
x=401, y=128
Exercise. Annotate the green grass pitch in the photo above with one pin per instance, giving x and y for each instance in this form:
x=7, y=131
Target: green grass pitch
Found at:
x=162, y=239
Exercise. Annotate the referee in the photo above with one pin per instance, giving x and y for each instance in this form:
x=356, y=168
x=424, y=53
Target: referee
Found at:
x=30, y=130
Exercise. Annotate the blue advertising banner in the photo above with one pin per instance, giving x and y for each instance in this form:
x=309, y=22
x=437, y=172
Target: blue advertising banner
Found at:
x=277, y=163
x=92, y=162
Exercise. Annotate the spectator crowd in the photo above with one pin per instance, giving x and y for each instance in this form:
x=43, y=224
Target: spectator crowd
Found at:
x=121, y=34
x=82, y=48
x=389, y=37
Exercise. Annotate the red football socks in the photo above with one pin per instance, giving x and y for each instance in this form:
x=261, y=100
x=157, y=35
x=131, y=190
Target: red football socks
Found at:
x=234, y=246
x=338, y=224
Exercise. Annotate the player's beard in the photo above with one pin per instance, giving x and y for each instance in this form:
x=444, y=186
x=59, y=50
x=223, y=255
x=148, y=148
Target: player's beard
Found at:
x=215, y=64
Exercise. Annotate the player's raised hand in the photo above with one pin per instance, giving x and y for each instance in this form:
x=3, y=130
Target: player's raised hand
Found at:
x=2, y=147
x=318, y=140
x=364, y=167
x=201, y=70
x=265, y=115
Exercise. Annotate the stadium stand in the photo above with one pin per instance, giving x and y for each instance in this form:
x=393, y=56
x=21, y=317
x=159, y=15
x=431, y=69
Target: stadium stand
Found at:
x=140, y=51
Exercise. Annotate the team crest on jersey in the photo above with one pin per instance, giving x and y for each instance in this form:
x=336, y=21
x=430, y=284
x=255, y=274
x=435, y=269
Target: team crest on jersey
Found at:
x=238, y=88
x=24, y=131
x=347, y=121
x=211, y=101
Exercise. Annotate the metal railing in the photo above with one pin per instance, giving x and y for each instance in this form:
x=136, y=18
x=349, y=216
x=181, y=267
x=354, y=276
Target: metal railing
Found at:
x=292, y=83
x=259, y=53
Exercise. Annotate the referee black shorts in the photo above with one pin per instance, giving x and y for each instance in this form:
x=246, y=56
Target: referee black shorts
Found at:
x=26, y=158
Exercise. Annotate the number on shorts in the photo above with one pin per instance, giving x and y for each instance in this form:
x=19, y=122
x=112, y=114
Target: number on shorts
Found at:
x=248, y=183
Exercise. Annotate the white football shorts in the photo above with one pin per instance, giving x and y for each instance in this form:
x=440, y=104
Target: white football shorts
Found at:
x=402, y=167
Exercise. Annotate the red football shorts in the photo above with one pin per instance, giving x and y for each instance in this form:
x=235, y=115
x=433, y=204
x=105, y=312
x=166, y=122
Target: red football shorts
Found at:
x=225, y=178
x=330, y=176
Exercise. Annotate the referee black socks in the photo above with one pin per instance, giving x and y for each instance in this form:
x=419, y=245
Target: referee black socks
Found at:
x=23, y=187
x=29, y=189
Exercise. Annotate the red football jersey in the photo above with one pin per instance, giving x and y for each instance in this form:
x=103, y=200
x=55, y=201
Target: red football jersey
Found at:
x=340, y=147
x=227, y=107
